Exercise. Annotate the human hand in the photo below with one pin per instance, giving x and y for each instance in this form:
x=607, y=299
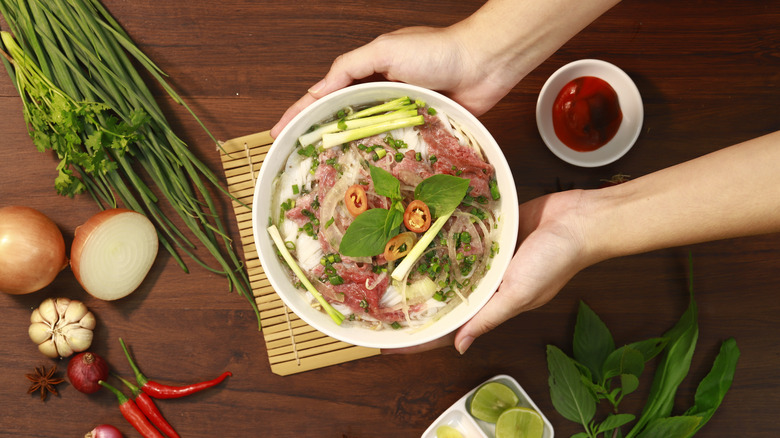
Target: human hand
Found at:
x=442, y=59
x=552, y=250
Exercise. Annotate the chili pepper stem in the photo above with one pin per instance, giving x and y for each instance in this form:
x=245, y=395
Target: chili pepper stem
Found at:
x=139, y=376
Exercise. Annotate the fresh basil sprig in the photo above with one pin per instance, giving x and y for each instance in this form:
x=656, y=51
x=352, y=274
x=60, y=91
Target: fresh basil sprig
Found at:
x=368, y=234
x=599, y=371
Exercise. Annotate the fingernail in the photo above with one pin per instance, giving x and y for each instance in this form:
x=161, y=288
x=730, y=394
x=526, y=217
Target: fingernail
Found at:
x=317, y=87
x=464, y=344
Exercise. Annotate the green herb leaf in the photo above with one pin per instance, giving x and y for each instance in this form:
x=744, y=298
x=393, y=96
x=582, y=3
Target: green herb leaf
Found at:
x=442, y=193
x=712, y=389
x=650, y=348
x=395, y=216
x=613, y=421
x=365, y=236
x=672, y=369
x=628, y=383
x=570, y=396
x=624, y=360
x=385, y=184
x=671, y=427
x=592, y=341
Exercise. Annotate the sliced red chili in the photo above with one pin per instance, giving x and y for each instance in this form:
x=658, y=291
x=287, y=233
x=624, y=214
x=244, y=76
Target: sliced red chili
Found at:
x=417, y=217
x=399, y=246
x=355, y=199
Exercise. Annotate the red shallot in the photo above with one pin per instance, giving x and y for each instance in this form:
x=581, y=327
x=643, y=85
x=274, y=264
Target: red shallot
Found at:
x=104, y=431
x=85, y=370
x=32, y=250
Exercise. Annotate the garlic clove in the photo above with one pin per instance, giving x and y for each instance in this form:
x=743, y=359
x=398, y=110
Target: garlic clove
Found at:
x=39, y=332
x=88, y=321
x=36, y=316
x=49, y=349
x=74, y=312
x=61, y=304
x=48, y=311
x=79, y=339
x=63, y=348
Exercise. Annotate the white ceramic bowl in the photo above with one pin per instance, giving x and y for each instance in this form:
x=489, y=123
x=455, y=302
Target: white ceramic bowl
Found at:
x=629, y=99
x=295, y=299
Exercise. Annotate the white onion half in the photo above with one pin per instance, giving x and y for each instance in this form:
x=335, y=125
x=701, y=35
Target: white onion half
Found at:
x=113, y=252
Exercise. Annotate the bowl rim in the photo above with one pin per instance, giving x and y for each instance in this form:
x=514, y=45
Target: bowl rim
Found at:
x=630, y=102
x=509, y=216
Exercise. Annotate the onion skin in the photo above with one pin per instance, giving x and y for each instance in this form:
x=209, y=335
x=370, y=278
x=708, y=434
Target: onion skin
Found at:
x=104, y=431
x=32, y=250
x=85, y=370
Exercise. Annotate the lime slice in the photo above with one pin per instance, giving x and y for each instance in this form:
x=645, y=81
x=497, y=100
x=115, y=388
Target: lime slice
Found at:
x=448, y=432
x=519, y=423
x=490, y=400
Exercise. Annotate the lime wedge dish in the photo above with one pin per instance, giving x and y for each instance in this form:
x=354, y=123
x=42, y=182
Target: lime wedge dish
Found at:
x=497, y=408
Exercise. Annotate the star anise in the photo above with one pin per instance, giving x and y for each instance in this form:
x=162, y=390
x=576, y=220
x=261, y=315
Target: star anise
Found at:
x=44, y=381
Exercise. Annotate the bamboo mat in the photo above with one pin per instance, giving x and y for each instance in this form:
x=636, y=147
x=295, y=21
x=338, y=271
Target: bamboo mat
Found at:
x=293, y=346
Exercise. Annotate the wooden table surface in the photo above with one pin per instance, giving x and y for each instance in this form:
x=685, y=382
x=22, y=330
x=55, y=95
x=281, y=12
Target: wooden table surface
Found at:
x=708, y=73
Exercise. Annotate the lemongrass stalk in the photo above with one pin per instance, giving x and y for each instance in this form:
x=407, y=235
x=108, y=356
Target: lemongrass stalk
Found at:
x=337, y=316
x=337, y=138
x=342, y=125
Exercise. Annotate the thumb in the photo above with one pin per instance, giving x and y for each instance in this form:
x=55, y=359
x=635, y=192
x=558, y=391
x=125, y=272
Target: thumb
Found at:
x=499, y=309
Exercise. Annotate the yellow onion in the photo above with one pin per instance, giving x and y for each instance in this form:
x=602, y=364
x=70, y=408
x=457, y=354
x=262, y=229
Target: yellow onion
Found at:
x=32, y=250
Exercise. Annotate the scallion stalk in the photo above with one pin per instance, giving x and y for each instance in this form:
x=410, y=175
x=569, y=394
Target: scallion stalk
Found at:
x=337, y=138
x=337, y=316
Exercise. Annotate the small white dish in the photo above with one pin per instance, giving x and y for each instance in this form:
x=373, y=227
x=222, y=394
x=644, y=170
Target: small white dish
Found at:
x=629, y=99
x=458, y=416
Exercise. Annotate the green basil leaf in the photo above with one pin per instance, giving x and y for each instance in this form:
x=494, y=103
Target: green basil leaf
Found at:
x=671, y=427
x=613, y=421
x=628, y=383
x=715, y=384
x=624, y=360
x=570, y=397
x=592, y=341
x=395, y=216
x=385, y=184
x=442, y=193
x=650, y=348
x=672, y=368
x=365, y=236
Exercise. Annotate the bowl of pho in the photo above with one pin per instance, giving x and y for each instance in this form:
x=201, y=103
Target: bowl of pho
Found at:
x=385, y=215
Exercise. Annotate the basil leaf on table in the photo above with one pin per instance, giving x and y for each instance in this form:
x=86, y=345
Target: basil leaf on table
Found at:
x=592, y=341
x=385, y=184
x=713, y=387
x=570, y=396
x=365, y=236
x=671, y=427
x=624, y=360
x=674, y=366
x=613, y=421
x=442, y=193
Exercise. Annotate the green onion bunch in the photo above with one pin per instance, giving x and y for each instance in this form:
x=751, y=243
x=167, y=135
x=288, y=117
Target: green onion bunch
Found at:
x=84, y=99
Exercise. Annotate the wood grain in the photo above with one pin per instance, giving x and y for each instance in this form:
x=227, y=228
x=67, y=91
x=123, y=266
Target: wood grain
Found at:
x=708, y=73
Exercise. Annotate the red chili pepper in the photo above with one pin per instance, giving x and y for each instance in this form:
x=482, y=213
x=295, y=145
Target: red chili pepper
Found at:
x=159, y=390
x=147, y=406
x=133, y=414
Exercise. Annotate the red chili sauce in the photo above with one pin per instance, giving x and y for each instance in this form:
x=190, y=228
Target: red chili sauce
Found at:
x=586, y=114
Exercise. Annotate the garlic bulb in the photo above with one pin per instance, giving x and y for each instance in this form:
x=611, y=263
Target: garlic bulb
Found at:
x=61, y=327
